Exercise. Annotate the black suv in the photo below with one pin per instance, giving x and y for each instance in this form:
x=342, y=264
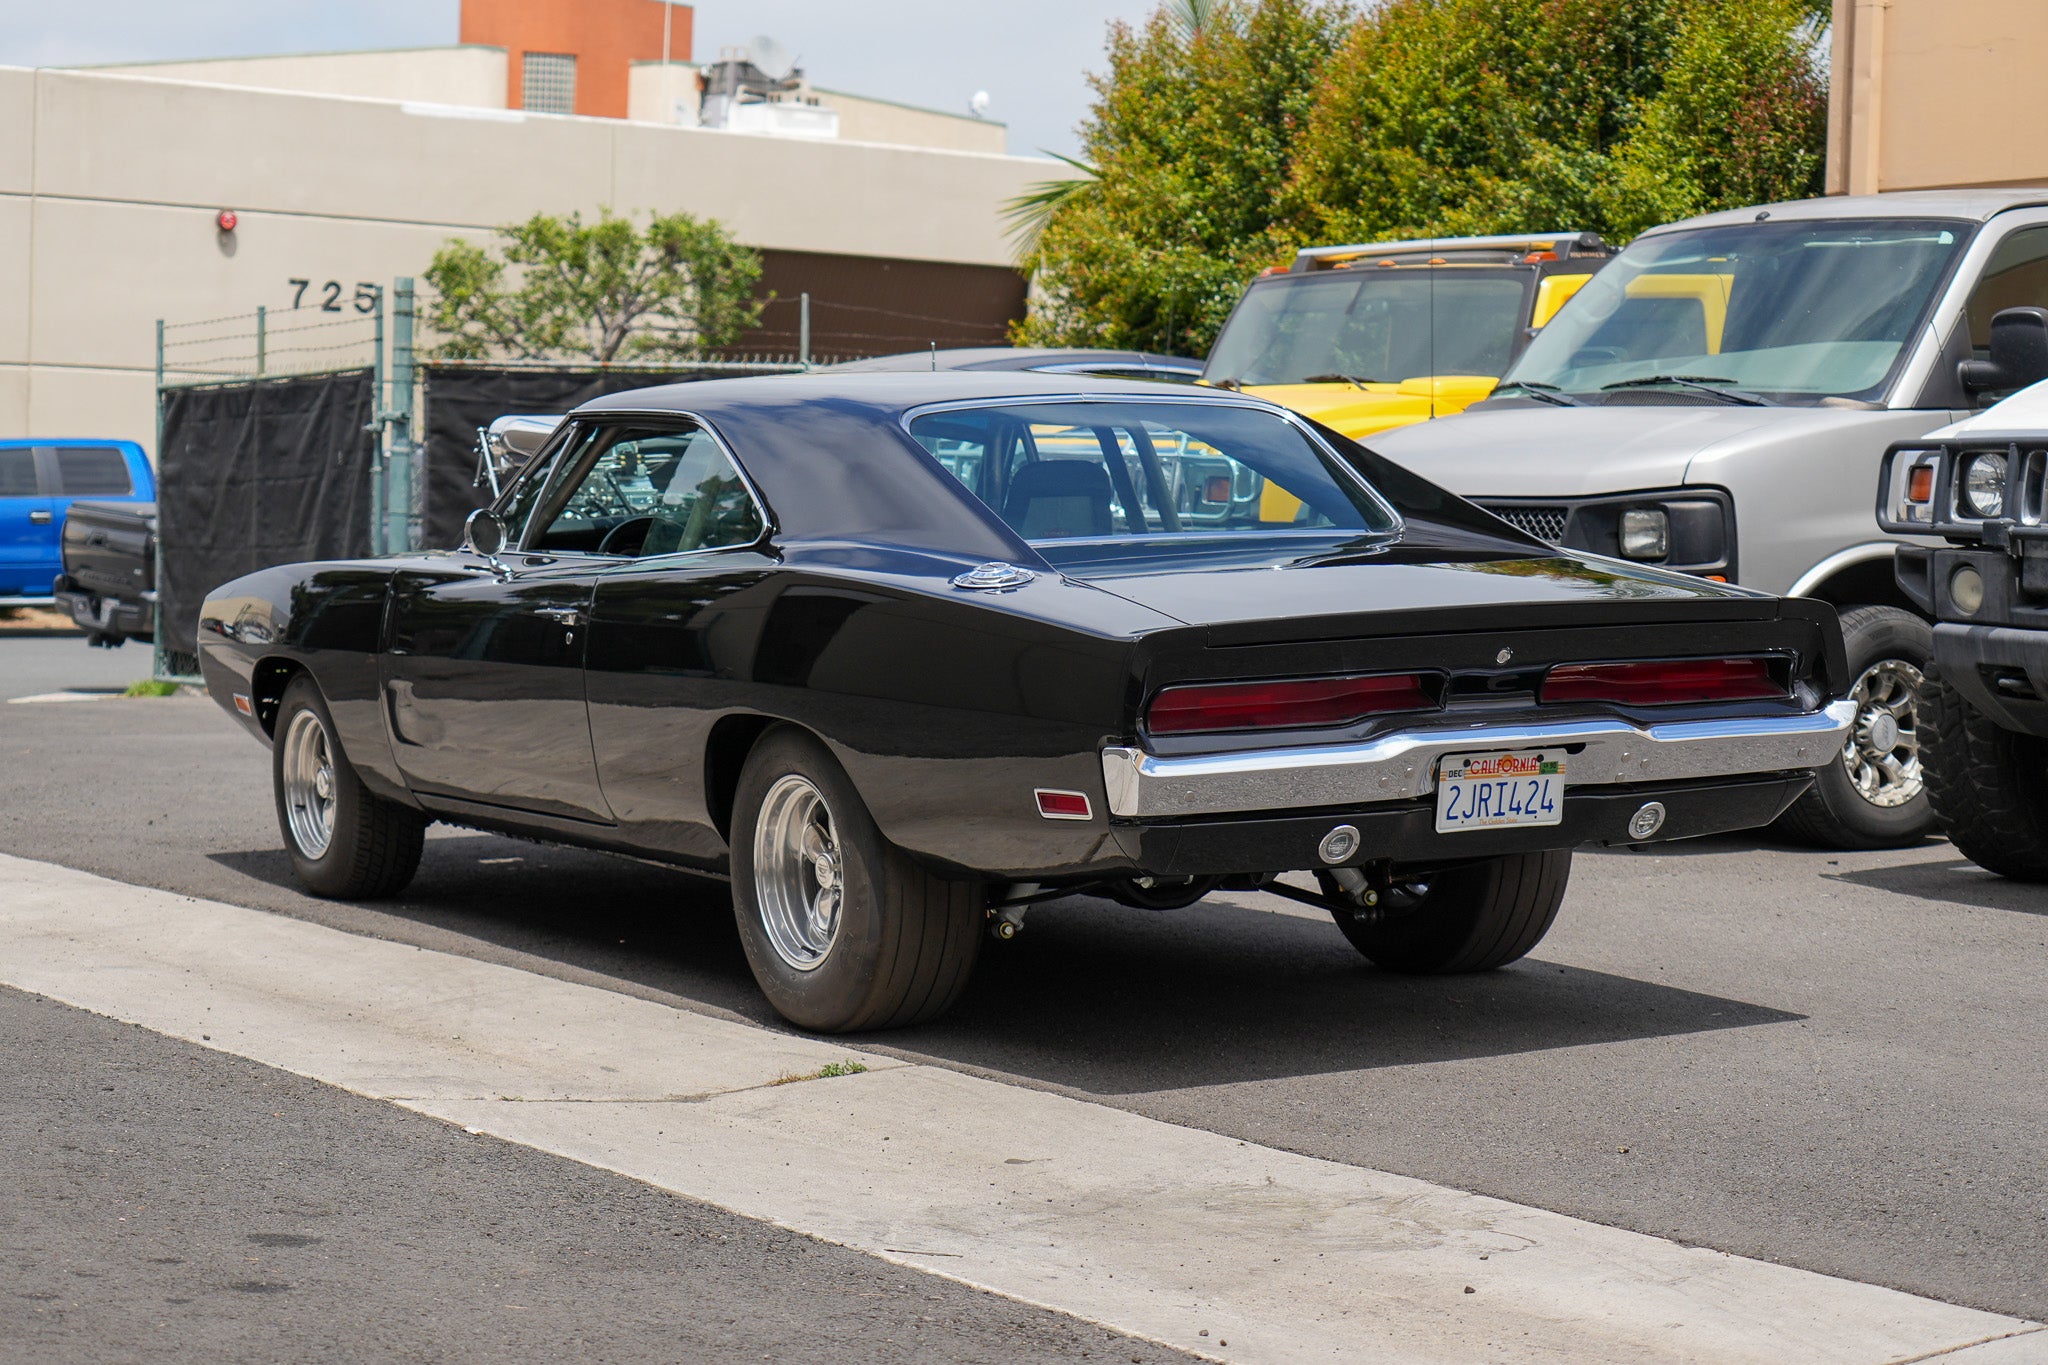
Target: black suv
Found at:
x=1983, y=717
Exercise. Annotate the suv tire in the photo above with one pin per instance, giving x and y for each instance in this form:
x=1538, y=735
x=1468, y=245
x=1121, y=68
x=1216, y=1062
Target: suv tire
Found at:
x=1988, y=785
x=1470, y=918
x=1889, y=652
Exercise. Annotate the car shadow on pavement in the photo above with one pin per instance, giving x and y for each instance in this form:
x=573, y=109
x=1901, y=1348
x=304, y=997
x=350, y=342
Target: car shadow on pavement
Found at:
x=1955, y=880
x=1093, y=996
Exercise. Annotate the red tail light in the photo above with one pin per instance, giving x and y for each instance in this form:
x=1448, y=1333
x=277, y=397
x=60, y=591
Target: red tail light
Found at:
x=1282, y=705
x=1665, y=682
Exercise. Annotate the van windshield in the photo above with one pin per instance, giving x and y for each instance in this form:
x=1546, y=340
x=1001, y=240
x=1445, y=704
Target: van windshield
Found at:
x=1375, y=325
x=1177, y=478
x=1794, y=311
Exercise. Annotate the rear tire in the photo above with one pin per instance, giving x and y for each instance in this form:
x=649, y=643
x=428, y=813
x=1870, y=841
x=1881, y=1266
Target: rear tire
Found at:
x=1988, y=785
x=1854, y=802
x=345, y=842
x=843, y=930
x=1472, y=918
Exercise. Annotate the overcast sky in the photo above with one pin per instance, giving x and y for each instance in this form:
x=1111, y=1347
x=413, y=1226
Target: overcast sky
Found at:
x=1030, y=55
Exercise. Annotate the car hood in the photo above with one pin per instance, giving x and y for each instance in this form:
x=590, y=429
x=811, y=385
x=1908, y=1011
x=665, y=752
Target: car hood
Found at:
x=1362, y=411
x=1395, y=595
x=1551, y=452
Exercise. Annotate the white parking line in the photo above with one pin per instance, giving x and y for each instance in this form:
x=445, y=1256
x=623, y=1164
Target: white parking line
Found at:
x=40, y=697
x=1216, y=1246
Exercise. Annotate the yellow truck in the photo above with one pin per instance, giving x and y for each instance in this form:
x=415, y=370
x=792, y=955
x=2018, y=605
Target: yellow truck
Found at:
x=1364, y=338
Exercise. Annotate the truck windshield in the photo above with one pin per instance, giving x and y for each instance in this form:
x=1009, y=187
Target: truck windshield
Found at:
x=1373, y=325
x=1798, y=311
x=1169, y=475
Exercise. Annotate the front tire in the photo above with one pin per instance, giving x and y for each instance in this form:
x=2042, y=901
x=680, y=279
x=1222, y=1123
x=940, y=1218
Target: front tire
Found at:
x=1471, y=918
x=345, y=842
x=1988, y=785
x=843, y=930
x=1873, y=795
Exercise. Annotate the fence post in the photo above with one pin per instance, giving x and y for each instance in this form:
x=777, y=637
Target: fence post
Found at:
x=803, y=329
x=262, y=333
x=378, y=543
x=401, y=495
x=158, y=665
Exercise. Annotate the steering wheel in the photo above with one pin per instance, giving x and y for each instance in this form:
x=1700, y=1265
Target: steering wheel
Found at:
x=617, y=540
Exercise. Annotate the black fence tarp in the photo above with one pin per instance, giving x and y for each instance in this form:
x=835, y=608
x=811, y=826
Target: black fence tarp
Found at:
x=256, y=474
x=461, y=398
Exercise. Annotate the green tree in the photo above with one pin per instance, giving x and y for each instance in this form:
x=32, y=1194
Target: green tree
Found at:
x=1190, y=136
x=1227, y=133
x=558, y=288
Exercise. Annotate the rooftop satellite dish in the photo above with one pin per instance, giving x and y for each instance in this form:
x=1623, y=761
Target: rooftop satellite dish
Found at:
x=774, y=60
x=978, y=106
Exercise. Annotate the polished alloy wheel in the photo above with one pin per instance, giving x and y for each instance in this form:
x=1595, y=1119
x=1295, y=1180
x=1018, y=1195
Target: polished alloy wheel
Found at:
x=309, y=784
x=798, y=875
x=1882, y=756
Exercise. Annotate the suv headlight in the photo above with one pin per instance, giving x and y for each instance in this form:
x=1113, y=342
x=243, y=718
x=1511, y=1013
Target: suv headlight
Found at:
x=1983, y=484
x=1645, y=533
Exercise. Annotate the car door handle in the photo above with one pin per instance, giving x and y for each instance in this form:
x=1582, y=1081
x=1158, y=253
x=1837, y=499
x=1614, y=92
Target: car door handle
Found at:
x=41, y=518
x=567, y=616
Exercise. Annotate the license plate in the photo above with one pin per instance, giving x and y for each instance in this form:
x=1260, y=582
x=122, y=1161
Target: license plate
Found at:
x=1486, y=791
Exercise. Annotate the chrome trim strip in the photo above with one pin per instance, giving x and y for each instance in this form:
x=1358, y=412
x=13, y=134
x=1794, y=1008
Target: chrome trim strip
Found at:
x=1402, y=766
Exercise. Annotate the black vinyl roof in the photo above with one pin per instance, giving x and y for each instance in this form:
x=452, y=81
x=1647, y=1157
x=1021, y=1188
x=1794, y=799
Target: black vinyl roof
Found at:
x=828, y=452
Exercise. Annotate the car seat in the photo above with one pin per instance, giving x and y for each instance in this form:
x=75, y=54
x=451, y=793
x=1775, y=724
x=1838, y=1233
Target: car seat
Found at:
x=1055, y=499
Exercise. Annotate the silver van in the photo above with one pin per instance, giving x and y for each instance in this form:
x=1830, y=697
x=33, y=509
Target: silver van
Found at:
x=1719, y=399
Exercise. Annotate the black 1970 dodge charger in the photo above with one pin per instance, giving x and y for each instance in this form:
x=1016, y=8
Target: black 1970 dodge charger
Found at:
x=904, y=653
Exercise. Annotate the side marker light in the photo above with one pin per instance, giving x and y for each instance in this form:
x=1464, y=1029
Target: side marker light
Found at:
x=1059, y=805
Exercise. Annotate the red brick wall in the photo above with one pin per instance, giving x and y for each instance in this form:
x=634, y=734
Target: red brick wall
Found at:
x=606, y=37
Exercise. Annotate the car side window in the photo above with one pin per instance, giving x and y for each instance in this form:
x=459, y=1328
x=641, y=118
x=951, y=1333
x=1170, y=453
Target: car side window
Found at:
x=2015, y=277
x=92, y=472
x=639, y=490
x=17, y=473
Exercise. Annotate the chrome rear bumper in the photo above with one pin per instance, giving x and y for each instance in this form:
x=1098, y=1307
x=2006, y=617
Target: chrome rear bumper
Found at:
x=1403, y=766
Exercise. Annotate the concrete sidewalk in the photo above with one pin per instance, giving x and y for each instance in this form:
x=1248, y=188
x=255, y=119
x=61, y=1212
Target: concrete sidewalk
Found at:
x=1190, y=1238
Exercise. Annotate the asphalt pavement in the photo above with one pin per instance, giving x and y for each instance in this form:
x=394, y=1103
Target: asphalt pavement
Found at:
x=167, y=1202
x=1832, y=1061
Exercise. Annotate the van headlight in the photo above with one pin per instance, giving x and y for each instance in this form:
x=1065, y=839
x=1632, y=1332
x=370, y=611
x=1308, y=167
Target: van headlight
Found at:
x=1984, y=484
x=1645, y=533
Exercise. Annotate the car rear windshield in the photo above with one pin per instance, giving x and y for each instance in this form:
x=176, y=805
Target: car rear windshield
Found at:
x=1374, y=325
x=1171, y=477
x=1798, y=310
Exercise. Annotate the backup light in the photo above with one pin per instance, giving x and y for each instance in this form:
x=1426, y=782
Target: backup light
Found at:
x=1206, y=707
x=1664, y=682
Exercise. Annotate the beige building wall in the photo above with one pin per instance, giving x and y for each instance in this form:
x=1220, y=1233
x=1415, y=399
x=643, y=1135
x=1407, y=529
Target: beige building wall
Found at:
x=471, y=76
x=109, y=187
x=1935, y=94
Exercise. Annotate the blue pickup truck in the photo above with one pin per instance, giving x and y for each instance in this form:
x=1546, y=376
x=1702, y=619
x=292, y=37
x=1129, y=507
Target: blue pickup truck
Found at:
x=39, y=480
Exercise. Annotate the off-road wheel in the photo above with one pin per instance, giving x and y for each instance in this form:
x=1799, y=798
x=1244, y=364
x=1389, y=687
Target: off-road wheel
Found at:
x=1988, y=785
x=345, y=842
x=1471, y=918
x=1874, y=794
x=844, y=931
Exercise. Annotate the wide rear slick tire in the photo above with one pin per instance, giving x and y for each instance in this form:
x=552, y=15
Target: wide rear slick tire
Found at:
x=345, y=842
x=1988, y=785
x=1472, y=918
x=895, y=945
x=1889, y=650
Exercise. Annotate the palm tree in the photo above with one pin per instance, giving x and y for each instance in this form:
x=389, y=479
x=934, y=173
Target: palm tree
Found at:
x=1191, y=18
x=1030, y=212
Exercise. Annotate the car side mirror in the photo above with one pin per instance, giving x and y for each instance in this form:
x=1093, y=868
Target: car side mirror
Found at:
x=2019, y=352
x=484, y=534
